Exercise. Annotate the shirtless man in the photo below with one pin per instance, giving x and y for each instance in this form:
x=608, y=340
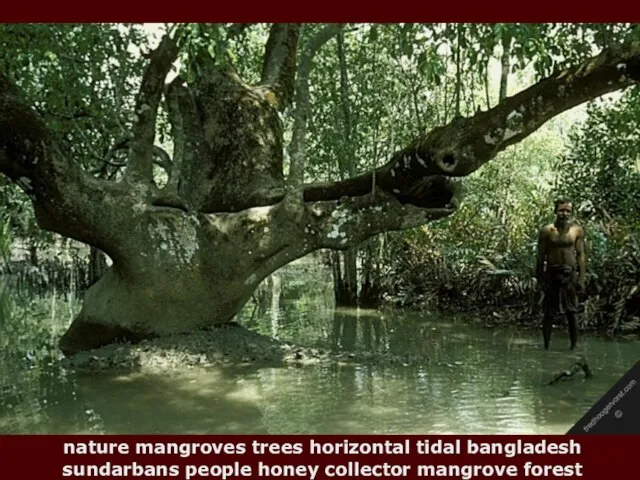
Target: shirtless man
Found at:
x=561, y=247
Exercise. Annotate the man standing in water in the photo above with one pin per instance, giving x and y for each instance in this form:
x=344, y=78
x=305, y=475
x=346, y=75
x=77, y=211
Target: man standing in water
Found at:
x=561, y=247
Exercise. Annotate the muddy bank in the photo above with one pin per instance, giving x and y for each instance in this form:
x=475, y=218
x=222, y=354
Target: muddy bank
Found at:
x=224, y=345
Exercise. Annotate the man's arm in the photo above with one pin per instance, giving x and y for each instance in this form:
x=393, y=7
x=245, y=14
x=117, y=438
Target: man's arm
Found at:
x=580, y=256
x=542, y=254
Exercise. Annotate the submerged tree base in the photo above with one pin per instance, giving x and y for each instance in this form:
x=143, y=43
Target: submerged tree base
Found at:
x=227, y=344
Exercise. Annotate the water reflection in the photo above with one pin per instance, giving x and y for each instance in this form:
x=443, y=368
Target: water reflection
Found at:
x=466, y=380
x=215, y=400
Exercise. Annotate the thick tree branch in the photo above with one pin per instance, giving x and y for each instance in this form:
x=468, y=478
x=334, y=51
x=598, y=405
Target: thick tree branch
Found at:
x=418, y=174
x=346, y=166
x=172, y=96
x=66, y=116
x=279, y=67
x=302, y=104
x=347, y=223
x=140, y=162
x=465, y=144
x=66, y=199
x=162, y=158
x=189, y=144
x=505, y=63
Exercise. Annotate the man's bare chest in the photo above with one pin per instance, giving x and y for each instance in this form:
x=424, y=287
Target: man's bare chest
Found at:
x=562, y=239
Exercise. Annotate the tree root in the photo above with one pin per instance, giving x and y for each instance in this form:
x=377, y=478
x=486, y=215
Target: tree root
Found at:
x=580, y=365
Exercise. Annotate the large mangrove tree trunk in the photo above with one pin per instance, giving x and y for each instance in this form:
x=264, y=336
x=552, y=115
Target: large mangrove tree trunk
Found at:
x=189, y=255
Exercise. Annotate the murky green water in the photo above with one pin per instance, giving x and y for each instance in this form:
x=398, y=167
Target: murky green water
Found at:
x=473, y=380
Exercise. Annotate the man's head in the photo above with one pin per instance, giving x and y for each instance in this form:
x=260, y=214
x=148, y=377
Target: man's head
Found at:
x=563, y=210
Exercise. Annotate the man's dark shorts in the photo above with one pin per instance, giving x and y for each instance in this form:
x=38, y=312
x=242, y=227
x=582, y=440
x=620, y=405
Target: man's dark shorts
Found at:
x=561, y=292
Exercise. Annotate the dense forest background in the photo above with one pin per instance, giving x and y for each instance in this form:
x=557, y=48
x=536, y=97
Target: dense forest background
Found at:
x=370, y=88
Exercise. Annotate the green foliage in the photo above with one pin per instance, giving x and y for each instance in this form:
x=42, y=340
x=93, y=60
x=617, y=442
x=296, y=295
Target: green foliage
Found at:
x=247, y=48
x=81, y=78
x=547, y=47
x=408, y=78
x=606, y=155
x=208, y=40
x=601, y=173
x=489, y=245
x=484, y=255
x=404, y=79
